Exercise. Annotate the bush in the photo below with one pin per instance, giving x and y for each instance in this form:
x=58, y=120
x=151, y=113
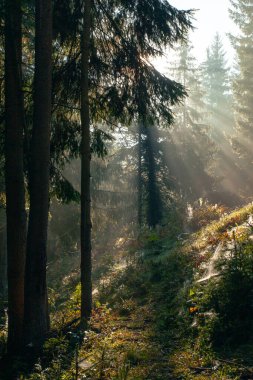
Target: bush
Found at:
x=204, y=213
x=231, y=299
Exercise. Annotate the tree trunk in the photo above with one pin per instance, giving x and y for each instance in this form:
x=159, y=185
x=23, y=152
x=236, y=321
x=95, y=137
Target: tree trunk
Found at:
x=14, y=177
x=86, y=264
x=154, y=202
x=3, y=263
x=36, y=302
x=139, y=179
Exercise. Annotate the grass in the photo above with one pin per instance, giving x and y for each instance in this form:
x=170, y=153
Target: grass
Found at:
x=217, y=230
x=142, y=327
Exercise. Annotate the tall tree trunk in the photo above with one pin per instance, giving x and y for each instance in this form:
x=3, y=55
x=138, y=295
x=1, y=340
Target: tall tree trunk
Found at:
x=139, y=179
x=3, y=262
x=86, y=264
x=154, y=202
x=36, y=302
x=140, y=96
x=14, y=177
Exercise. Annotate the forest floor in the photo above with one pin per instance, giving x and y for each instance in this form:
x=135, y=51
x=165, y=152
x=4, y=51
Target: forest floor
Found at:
x=177, y=307
x=170, y=326
x=127, y=348
x=124, y=348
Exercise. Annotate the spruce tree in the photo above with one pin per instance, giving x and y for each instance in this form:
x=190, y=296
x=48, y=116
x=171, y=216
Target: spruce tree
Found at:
x=218, y=99
x=36, y=317
x=14, y=174
x=241, y=13
x=216, y=76
x=122, y=34
x=86, y=260
x=190, y=147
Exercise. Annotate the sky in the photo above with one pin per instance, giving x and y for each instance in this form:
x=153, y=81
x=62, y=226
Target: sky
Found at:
x=211, y=16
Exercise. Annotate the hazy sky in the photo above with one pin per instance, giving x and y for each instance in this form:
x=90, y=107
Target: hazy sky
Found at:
x=211, y=16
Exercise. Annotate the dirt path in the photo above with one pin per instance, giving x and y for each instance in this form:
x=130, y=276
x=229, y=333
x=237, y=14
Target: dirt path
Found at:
x=123, y=348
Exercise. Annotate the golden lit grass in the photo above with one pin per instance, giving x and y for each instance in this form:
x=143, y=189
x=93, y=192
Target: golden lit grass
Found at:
x=127, y=348
x=188, y=364
x=118, y=345
x=217, y=230
x=127, y=345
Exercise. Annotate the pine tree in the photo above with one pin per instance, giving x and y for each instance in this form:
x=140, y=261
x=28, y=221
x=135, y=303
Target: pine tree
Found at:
x=86, y=261
x=216, y=76
x=113, y=83
x=149, y=198
x=14, y=175
x=216, y=81
x=242, y=14
x=36, y=317
x=190, y=148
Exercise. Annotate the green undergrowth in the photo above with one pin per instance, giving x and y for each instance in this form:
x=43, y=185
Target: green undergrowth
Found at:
x=152, y=319
x=206, y=329
x=217, y=229
x=220, y=342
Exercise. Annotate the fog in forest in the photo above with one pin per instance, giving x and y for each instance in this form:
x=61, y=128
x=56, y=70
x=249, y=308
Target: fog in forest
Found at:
x=126, y=133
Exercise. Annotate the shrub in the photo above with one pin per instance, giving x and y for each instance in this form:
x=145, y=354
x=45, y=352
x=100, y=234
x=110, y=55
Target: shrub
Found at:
x=231, y=299
x=204, y=213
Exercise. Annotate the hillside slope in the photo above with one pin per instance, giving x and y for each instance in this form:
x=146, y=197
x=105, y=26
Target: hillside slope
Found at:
x=180, y=307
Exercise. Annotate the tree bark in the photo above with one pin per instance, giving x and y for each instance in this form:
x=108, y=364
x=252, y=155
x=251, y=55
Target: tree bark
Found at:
x=3, y=262
x=36, y=302
x=139, y=179
x=154, y=202
x=86, y=259
x=14, y=177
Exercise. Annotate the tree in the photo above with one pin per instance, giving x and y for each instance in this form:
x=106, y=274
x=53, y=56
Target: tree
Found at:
x=241, y=13
x=139, y=177
x=218, y=99
x=86, y=282
x=216, y=77
x=149, y=198
x=188, y=147
x=36, y=304
x=14, y=177
x=3, y=257
x=154, y=200
x=114, y=55
x=128, y=67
